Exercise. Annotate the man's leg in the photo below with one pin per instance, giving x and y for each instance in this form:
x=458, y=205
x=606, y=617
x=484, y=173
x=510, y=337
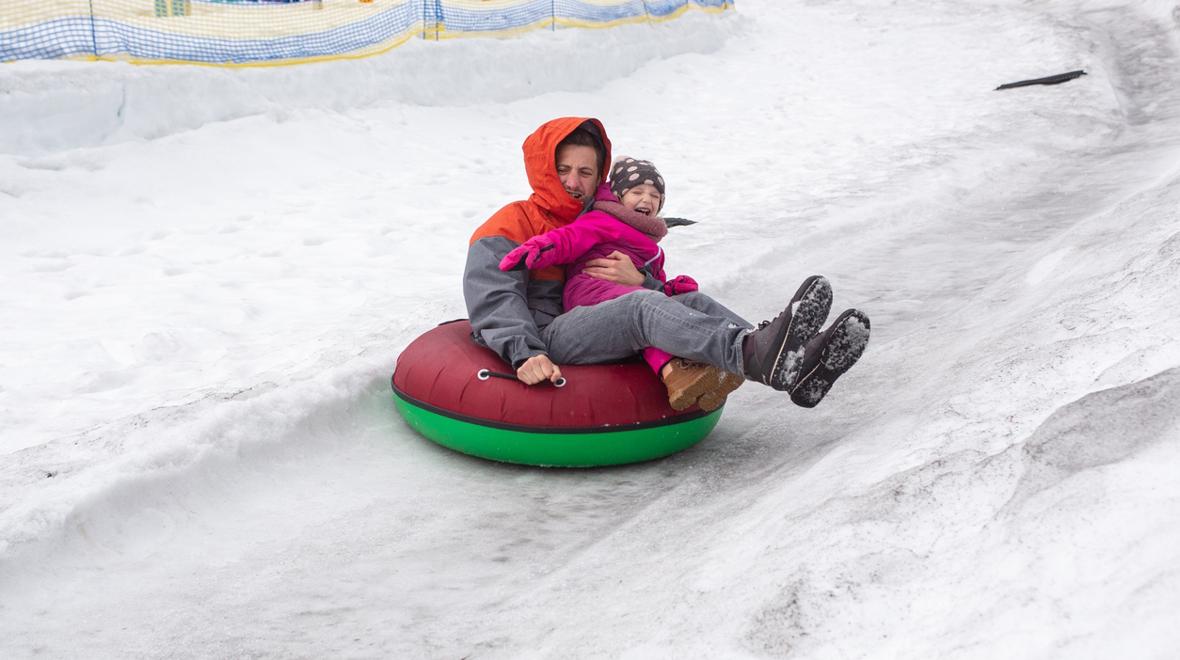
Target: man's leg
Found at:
x=703, y=303
x=616, y=329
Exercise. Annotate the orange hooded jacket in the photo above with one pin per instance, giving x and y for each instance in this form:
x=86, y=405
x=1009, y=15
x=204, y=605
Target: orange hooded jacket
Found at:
x=507, y=309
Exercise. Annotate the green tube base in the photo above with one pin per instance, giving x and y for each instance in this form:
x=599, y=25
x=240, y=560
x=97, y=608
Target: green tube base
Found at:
x=569, y=449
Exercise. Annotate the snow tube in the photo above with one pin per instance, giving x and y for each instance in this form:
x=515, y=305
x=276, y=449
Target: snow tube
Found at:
x=460, y=395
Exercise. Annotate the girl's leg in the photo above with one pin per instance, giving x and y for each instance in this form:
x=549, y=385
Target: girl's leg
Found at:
x=690, y=382
x=656, y=359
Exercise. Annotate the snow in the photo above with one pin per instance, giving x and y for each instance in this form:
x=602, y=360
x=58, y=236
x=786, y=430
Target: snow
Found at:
x=209, y=275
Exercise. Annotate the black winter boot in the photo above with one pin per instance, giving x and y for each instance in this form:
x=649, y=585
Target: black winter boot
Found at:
x=829, y=355
x=774, y=352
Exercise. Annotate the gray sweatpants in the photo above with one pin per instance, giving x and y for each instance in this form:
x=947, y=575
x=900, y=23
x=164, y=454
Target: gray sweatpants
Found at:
x=690, y=325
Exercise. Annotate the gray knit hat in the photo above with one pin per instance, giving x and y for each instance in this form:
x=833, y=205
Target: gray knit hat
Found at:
x=627, y=173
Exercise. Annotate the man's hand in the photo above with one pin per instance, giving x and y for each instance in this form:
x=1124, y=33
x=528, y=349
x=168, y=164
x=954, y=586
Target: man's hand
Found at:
x=614, y=267
x=537, y=369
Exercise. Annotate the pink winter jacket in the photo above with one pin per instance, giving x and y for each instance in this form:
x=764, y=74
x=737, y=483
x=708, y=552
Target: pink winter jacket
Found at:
x=592, y=235
x=599, y=234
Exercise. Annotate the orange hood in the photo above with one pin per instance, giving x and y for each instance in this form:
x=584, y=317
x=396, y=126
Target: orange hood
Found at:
x=540, y=163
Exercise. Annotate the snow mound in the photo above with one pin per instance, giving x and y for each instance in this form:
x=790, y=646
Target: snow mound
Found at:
x=53, y=106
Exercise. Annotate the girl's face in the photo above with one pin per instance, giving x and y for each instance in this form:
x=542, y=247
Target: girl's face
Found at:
x=643, y=198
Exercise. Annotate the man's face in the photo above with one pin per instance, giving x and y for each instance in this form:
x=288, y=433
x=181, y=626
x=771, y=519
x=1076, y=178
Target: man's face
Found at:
x=577, y=167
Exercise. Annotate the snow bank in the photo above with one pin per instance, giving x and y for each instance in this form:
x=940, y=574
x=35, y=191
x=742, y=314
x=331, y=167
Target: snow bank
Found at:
x=52, y=106
x=151, y=460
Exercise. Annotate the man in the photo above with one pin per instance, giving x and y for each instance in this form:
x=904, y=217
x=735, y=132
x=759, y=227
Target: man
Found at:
x=518, y=314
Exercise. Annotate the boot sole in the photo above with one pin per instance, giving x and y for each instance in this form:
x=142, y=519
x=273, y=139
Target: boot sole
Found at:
x=709, y=379
x=844, y=345
x=809, y=310
x=713, y=399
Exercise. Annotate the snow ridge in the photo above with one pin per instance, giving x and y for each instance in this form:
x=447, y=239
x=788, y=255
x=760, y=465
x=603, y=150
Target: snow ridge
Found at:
x=64, y=105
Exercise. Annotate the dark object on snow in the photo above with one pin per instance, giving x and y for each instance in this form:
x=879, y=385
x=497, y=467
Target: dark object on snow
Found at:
x=678, y=222
x=1047, y=80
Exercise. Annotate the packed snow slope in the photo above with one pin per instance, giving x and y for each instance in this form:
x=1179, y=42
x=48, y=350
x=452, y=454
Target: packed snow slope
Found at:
x=208, y=275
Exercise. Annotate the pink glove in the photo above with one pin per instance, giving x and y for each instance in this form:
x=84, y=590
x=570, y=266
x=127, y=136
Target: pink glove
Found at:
x=678, y=285
x=533, y=253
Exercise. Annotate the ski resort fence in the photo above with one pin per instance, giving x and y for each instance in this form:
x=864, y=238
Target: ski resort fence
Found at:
x=262, y=32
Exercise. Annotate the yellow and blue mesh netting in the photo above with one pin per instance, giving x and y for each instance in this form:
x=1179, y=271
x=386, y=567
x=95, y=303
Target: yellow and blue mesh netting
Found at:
x=288, y=31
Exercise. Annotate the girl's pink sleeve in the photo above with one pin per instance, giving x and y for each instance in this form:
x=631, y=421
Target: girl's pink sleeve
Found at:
x=575, y=239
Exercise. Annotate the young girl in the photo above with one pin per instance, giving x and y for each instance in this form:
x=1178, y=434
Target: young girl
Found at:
x=625, y=218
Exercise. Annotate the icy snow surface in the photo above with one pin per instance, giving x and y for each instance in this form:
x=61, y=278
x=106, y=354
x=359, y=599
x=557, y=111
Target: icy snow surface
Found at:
x=208, y=275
